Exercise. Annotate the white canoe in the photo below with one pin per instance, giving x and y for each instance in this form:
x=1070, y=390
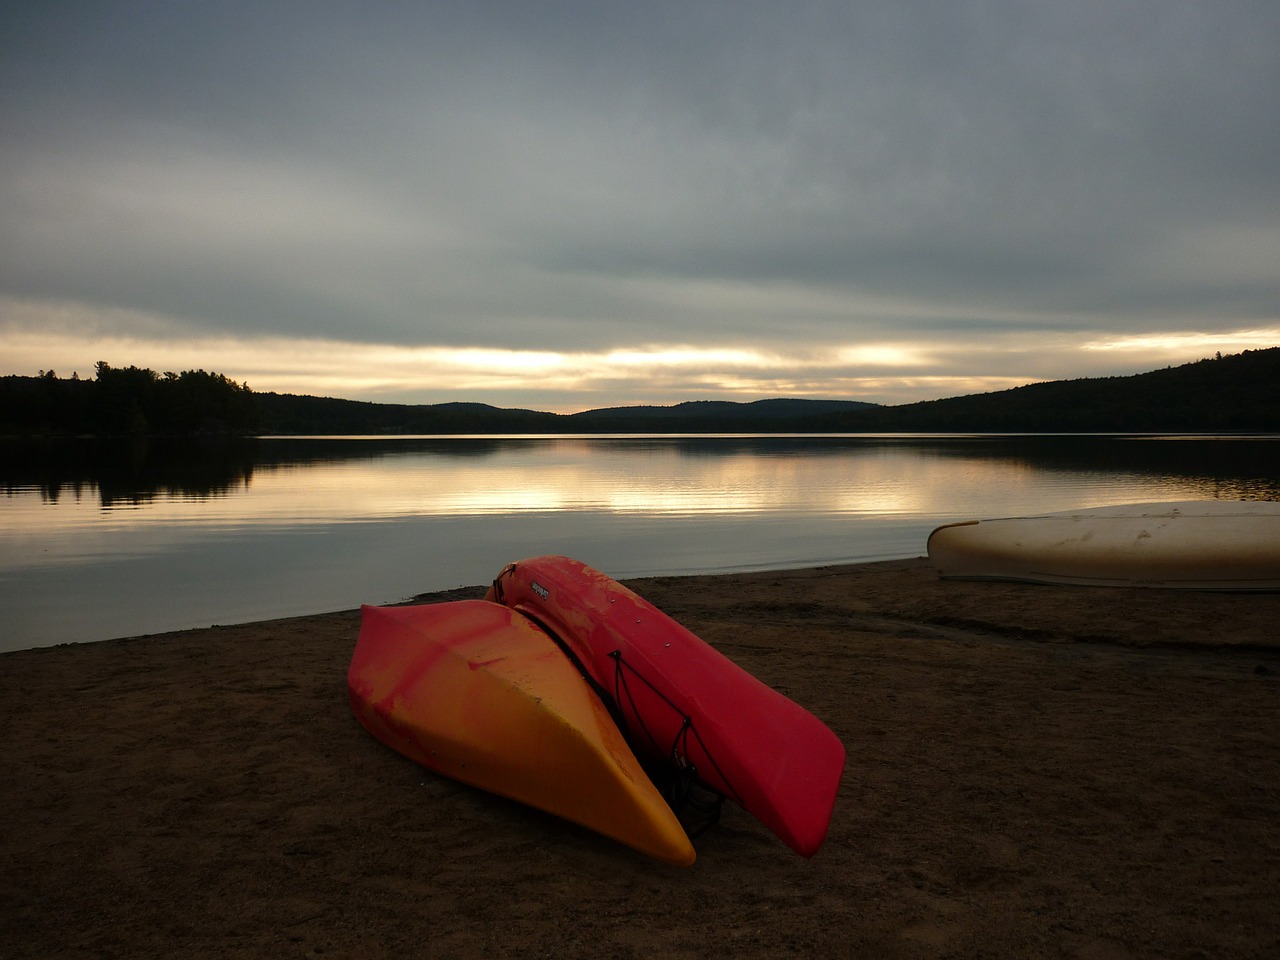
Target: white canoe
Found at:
x=1191, y=545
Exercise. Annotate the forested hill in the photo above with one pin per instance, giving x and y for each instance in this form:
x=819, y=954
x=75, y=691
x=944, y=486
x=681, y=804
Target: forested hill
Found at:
x=1237, y=393
x=287, y=414
x=284, y=413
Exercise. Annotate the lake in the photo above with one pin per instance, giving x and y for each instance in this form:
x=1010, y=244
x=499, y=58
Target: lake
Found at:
x=108, y=539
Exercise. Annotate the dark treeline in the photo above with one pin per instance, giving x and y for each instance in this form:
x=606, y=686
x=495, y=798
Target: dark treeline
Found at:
x=127, y=401
x=1238, y=393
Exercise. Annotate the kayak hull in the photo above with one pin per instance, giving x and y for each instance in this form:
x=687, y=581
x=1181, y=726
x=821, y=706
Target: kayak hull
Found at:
x=476, y=692
x=1198, y=545
x=684, y=704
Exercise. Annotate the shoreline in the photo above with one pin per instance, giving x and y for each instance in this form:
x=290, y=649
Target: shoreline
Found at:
x=1032, y=770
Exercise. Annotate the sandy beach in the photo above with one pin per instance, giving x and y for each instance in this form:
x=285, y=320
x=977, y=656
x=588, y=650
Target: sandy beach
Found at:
x=1033, y=772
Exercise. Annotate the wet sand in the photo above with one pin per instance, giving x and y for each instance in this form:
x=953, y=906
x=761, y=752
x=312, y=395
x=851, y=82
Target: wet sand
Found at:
x=1033, y=771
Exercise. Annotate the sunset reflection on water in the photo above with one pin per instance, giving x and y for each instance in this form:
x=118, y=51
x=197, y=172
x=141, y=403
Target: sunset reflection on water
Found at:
x=307, y=525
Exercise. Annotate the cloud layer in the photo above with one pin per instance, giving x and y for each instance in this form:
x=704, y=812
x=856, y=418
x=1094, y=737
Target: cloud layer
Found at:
x=578, y=204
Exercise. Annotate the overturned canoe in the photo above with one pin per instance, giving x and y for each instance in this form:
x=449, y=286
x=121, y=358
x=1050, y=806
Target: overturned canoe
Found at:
x=1196, y=544
x=475, y=691
x=684, y=704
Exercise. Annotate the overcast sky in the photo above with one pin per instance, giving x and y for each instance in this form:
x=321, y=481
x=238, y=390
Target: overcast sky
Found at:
x=564, y=205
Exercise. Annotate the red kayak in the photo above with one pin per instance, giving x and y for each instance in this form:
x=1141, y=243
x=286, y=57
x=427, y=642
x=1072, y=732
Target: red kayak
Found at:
x=682, y=703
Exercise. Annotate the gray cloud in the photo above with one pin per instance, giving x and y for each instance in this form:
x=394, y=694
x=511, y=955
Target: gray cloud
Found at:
x=584, y=175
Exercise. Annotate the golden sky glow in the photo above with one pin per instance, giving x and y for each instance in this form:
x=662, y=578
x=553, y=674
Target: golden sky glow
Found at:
x=880, y=372
x=1179, y=343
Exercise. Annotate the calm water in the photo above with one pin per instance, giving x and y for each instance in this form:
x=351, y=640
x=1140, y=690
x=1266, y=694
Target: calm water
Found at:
x=105, y=540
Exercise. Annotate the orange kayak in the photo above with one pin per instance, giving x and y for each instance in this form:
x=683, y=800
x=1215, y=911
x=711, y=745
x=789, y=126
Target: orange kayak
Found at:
x=477, y=692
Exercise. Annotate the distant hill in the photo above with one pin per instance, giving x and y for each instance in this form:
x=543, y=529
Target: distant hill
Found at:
x=285, y=413
x=713, y=416
x=289, y=414
x=1237, y=393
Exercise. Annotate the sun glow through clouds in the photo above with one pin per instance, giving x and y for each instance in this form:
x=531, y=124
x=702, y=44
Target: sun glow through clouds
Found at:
x=1232, y=341
x=40, y=337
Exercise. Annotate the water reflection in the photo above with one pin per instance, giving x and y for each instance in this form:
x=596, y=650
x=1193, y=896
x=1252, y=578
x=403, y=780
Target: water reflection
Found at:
x=235, y=484
x=148, y=537
x=126, y=471
x=659, y=473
